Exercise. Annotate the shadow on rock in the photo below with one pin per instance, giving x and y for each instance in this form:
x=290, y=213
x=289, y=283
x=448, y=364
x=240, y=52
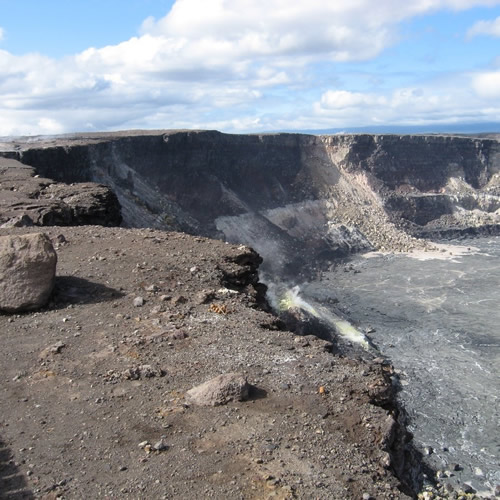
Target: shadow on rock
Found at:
x=13, y=484
x=73, y=290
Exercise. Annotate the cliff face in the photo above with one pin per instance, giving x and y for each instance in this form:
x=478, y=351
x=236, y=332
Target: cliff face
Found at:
x=27, y=199
x=291, y=196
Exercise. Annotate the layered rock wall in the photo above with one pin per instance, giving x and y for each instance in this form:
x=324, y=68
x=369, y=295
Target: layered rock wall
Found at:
x=291, y=196
x=27, y=199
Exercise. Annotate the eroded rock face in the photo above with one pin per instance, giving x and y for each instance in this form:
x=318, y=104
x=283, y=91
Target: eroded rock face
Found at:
x=30, y=200
x=27, y=271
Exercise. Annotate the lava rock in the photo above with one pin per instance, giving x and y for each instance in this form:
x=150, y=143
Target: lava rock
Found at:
x=27, y=271
x=220, y=390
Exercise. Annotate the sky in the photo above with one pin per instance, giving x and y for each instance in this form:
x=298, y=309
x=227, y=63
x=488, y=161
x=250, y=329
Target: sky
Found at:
x=244, y=66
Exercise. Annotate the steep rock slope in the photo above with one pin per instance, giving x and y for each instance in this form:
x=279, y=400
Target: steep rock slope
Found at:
x=293, y=197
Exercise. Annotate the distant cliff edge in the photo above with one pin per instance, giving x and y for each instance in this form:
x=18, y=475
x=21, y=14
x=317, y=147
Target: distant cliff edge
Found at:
x=292, y=197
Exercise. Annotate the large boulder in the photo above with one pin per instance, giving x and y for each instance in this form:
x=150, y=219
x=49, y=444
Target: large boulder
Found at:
x=27, y=271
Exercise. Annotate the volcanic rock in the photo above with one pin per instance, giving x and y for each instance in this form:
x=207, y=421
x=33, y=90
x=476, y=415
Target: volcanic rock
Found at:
x=27, y=199
x=220, y=390
x=27, y=271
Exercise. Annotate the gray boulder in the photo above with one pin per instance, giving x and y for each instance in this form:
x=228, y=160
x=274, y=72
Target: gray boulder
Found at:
x=220, y=390
x=27, y=271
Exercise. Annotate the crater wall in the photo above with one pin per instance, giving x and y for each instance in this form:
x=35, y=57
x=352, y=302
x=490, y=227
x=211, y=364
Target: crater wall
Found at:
x=293, y=197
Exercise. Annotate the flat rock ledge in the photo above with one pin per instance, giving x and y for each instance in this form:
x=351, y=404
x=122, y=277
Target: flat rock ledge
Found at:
x=27, y=199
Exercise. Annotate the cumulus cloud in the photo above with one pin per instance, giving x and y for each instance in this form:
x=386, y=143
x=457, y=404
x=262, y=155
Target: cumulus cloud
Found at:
x=229, y=63
x=463, y=101
x=490, y=28
x=338, y=31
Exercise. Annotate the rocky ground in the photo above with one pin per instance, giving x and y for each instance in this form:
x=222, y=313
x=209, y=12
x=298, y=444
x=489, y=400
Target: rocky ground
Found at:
x=97, y=380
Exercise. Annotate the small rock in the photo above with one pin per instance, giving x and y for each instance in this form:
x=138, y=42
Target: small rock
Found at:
x=138, y=302
x=478, y=472
x=60, y=239
x=467, y=488
x=142, y=371
x=269, y=447
x=178, y=335
x=220, y=390
x=367, y=496
x=160, y=445
x=179, y=299
x=53, y=349
x=204, y=297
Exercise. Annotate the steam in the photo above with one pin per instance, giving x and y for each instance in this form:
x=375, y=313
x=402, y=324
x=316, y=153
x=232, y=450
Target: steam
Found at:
x=290, y=298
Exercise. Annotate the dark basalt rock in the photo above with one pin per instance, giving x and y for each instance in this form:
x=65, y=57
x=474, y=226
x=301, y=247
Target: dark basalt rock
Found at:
x=29, y=200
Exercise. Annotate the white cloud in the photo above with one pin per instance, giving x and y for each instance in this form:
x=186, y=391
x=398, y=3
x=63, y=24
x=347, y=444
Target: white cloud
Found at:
x=467, y=99
x=2, y=33
x=487, y=85
x=220, y=62
x=491, y=28
x=343, y=31
x=342, y=99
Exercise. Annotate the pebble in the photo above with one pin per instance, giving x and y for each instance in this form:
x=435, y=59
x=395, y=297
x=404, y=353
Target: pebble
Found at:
x=160, y=445
x=467, y=488
x=478, y=472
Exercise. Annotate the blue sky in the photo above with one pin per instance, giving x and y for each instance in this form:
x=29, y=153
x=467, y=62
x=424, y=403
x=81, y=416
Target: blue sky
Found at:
x=247, y=65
